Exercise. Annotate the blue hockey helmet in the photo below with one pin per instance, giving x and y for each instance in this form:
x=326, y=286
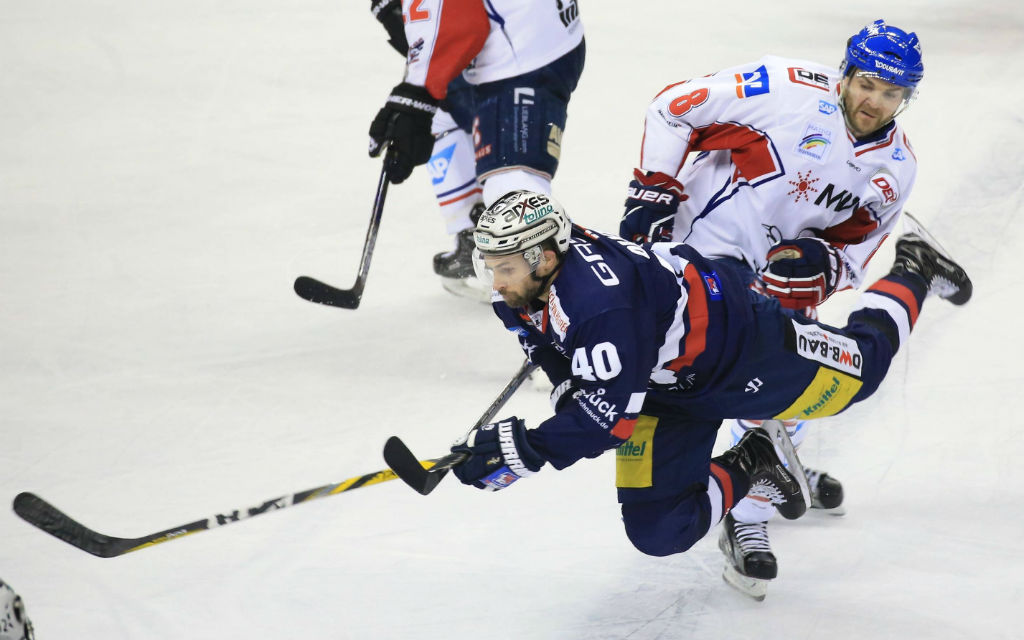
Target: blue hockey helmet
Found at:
x=887, y=53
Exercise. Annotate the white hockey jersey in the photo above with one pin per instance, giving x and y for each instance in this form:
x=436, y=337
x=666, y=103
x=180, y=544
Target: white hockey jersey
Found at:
x=771, y=158
x=487, y=40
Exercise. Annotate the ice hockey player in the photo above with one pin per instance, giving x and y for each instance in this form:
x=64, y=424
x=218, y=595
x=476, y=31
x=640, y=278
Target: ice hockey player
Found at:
x=650, y=347
x=14, y=623
x=498, y=125
x=797, y=173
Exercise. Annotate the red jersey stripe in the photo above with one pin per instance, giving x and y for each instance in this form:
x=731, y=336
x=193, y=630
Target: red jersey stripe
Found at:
x=697, y=309
x=901, y=293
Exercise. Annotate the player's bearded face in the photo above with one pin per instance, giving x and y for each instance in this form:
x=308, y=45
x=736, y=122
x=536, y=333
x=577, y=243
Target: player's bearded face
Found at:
x=870, y=103
x=512, y=277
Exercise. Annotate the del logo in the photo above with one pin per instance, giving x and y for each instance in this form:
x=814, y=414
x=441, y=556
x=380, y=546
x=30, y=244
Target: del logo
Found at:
x=826, y=107
x=828, y=348
x=886, y=186
x=752, y=84
x=808, y=78
x=815, y=142
x=439, y=163
x=713, y=284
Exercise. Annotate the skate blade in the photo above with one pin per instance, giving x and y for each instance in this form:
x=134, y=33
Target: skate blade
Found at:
x=752, y=587
x=780, y=437
x=837, y=511
x=470, y=288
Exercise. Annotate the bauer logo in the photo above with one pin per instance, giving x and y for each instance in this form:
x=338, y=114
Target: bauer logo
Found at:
x=439, y=163
x=829, y=348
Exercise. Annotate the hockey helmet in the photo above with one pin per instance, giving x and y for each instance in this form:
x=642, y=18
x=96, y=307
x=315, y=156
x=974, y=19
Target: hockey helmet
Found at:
x=519, y=220
x=520, y=223
x=887, y=53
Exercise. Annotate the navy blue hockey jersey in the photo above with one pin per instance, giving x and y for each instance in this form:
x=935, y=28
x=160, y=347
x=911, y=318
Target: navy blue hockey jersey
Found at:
x=627, y=325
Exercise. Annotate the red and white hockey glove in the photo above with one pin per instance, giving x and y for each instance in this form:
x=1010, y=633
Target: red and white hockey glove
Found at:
x=651, y=205
x=802, y=272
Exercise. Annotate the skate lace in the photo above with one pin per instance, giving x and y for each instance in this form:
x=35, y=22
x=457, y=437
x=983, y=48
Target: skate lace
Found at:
x=767, y=490
x=751, y=537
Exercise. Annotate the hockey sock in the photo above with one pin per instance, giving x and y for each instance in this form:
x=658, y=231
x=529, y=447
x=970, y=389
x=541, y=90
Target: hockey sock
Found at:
x=725, y=488
x=900, y=297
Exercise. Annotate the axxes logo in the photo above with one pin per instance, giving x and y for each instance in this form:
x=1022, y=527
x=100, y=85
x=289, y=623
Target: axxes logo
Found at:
x=438, y=164
x=752, y=84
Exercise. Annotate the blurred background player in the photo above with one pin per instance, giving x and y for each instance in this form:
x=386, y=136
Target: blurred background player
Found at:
x=483, y=104
x=649, y=348
x=14, y=623
x=796, y=172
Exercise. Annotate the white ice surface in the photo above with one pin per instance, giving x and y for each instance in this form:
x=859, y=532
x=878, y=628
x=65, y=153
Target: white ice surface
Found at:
x=168, y=168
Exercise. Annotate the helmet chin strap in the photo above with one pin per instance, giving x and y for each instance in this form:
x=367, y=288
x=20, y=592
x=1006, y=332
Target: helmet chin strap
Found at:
x=544, y=281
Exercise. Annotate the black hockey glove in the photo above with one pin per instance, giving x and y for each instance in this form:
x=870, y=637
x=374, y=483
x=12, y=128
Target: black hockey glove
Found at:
x=802, y=272
x=404, y=121
x=651, y=205
x=389, y=14
x=499, y=455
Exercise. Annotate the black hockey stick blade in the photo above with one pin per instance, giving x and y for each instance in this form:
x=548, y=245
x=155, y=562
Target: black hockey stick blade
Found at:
x=425, y=479
x=322, y=293
x=421, y=478
x=45, y=516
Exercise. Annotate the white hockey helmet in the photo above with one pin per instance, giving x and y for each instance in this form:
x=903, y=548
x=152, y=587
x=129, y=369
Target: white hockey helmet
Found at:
x=14, y=624
x=520, y=220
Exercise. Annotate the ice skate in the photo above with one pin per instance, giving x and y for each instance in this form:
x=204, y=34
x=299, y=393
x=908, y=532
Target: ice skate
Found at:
x=456, y=266
x=769, y=479
x=826, y=492
x=749, y=561
x=919, y=253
